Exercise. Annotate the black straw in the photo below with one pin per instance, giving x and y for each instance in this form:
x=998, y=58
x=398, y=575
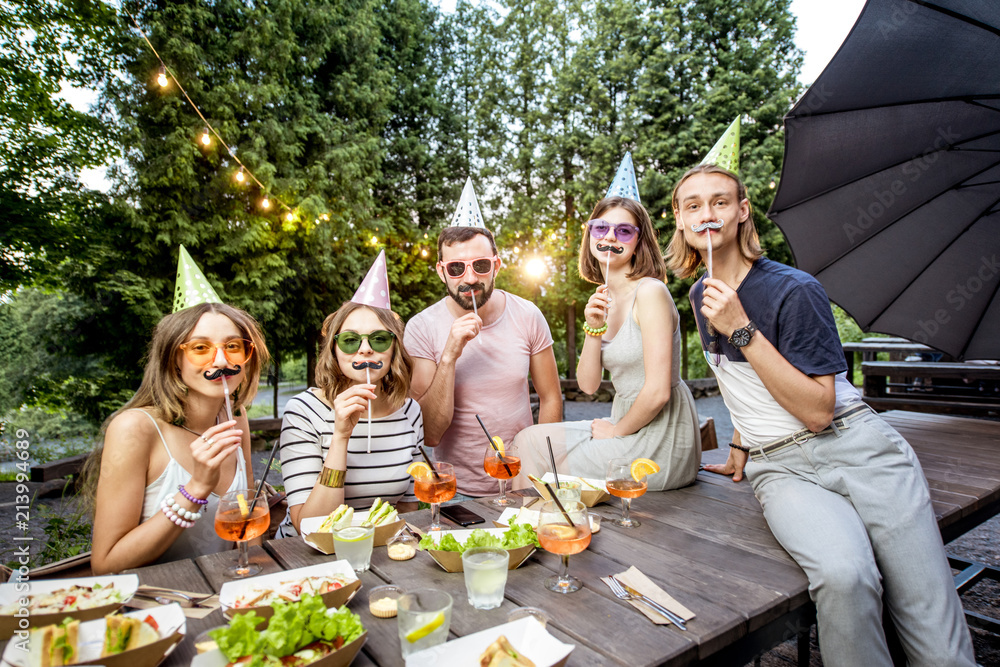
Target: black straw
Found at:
x=494, y=446
x=558, y=504
x=260, y=486
x=552, y=459
x=430, y=463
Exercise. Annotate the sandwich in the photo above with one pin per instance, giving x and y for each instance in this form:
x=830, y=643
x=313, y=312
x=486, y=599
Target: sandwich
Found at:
x=381, y=513
x=54, y=645
x=124, y=633
x=501, y=654
x=339, y=518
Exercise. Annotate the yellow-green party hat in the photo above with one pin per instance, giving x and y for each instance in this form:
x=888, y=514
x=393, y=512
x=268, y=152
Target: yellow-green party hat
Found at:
x=192, y=285
x=726, y=151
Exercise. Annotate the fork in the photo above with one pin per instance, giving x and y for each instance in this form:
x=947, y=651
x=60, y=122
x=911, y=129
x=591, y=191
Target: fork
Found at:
x=622, y=594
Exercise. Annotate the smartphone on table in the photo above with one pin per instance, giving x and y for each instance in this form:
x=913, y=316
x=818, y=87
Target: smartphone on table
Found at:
x=461, y=515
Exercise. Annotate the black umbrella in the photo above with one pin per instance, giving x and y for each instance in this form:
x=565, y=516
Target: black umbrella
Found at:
x=890, y=189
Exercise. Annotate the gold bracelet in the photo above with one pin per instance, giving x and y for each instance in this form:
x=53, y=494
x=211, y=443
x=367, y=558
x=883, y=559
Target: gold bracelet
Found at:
x=332, y=478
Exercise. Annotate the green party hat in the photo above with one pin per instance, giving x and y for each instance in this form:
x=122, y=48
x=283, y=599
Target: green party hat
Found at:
x=726, y=151
x=193, y=287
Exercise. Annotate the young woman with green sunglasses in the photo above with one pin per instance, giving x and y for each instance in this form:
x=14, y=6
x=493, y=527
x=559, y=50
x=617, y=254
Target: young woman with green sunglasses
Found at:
x=325, y=457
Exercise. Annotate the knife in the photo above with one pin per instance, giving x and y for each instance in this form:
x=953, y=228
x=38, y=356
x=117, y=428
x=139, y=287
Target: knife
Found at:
x=674, y=618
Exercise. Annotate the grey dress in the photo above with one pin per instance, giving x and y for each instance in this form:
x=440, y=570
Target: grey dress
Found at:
x=671, y=438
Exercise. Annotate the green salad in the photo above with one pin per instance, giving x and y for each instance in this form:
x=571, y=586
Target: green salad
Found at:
x=518, y=535
x=305, y=629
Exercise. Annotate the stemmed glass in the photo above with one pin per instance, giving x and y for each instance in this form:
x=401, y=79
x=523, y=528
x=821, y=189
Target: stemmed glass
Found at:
x=621, y=483
x=501, y=464
x=436, y=489
x=238, y=519
x=557, y=536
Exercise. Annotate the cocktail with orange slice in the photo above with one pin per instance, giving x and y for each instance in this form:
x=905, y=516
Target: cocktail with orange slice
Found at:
x=501, y=463
x=433, y=486
x=626, y=479
x=563, y=531
x=239, y=519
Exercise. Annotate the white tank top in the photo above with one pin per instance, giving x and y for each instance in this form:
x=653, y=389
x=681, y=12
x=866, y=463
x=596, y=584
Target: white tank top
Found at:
x=201, y=538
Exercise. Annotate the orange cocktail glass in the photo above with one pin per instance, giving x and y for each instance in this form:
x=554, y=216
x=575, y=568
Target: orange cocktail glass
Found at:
x=436, y=489
x=563, y=537
x=502, y=464
x=621, y=484
x=239, y=519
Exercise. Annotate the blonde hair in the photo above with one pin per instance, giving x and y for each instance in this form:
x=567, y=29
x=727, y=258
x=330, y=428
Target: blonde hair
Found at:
x=684, y=260
x=647, y=260
x=162, y=389
x=331, y=380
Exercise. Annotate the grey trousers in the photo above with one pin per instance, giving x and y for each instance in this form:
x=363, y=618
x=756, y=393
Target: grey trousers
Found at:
x=853, y=510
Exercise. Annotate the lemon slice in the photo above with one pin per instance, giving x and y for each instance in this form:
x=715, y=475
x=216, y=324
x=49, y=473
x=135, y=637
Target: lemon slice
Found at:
x=244, y=508
x=352, y=534
x=499, y=443
x=642, y=467
x=418, y=469
x=420, y=633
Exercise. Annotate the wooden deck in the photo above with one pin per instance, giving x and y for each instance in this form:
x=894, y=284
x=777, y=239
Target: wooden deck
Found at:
x=707, y=545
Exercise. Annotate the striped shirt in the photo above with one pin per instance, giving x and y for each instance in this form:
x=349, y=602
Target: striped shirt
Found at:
x=306, y=433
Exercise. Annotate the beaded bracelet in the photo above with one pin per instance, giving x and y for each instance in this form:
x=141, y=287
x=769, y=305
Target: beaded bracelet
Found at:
x=742, y=448
x=169, y=513
x=183, y=512
x=196, y=501
x=595, y=331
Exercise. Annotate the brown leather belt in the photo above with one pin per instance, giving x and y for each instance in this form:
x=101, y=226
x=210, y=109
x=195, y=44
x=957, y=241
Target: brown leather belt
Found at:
x=804, y=435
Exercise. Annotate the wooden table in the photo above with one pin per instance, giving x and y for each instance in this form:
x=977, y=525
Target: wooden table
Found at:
x=707, y=545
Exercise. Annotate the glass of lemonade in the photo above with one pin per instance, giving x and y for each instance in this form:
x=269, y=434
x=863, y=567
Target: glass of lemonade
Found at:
x=423, y=616
x=354, y=544
x=569, y=491
x=485, y=575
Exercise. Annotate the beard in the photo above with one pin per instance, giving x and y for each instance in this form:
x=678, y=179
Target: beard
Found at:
x=464, y=300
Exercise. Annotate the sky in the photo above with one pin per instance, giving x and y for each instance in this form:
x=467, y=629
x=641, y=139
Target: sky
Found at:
x=821, y=28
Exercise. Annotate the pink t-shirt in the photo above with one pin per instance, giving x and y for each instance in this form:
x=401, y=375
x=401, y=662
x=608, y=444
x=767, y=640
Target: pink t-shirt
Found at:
x=491, y=380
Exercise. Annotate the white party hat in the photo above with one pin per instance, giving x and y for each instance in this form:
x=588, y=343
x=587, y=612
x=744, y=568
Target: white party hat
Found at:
x=624, y=184
x=192, y=287
x=726, y=151
x=374, y=289
x=468, y=214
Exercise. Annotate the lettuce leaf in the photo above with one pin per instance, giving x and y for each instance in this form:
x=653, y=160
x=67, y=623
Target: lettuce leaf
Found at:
x=518, y=535
x=293, y=625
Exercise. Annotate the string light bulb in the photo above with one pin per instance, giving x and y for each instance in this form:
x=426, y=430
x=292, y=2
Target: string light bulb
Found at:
x=162, y=77
x=290, y=217
x=239, y=176
x=206, y=138
x=771, y=185
x=265, y=203
x=423, y=252
x=663, y=214
x=374, y=240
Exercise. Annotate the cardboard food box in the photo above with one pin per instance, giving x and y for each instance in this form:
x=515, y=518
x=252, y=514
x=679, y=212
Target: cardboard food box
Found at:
x=340, y=658
x=14, y=592
x=451, y=561
x=169, y=618
x=324, y=541
x=526, y=635
x=336, y=598
x=592, y=491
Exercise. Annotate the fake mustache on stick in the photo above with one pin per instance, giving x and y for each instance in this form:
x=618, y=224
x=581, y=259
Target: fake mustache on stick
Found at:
x=469, y=288
x=606, y=248
x=361, y=365
x=367, y=366
x=223, y=371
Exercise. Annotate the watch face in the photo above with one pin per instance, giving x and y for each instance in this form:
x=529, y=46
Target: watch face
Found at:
x=741, y=337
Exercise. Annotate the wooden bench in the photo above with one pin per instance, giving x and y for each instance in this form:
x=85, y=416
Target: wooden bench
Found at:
x=869, y=349
x=939, y=387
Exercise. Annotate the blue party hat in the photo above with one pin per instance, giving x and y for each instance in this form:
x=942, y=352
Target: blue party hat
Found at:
x=624, y=184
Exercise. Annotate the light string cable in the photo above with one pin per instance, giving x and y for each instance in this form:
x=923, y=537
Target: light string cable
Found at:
x=208, y=125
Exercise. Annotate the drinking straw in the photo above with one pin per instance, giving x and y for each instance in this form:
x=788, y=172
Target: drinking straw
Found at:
x=552, y=459
x=607, y=277
x=558, y=504
x=428, y=459
x=368, y=377
x=229, y=406
x=260, y=486
x=476, y=311
x=494, y=445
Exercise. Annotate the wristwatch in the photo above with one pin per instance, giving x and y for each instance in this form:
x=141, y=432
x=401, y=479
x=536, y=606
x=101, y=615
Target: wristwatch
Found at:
x=741, y=337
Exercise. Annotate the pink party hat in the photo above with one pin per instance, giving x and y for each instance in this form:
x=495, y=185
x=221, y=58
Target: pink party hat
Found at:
x=374, y=289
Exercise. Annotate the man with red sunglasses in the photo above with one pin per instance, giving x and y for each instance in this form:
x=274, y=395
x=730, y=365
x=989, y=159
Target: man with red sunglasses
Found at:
x=472, y=354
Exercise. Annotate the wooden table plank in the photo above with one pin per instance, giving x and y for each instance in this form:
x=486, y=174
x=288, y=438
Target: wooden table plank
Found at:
x=213, y=566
